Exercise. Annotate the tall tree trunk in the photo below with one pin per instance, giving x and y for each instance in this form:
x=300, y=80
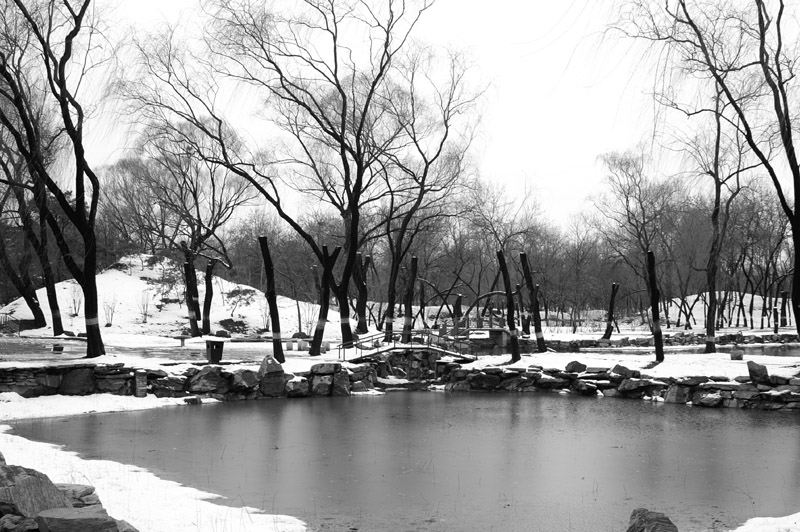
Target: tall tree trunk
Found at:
x=711, y=309
x=272, y=301
x=489, y=302
x=510, y=322
x=328, y=262
x=654, y=299
x=784, y=300
x=188, y=293
x=360, y=278
x=209, y=296
x=408, y=302
x=457, y=312
x=541, y=345
x=525, y=320
x=422, y=304
x=610, y=320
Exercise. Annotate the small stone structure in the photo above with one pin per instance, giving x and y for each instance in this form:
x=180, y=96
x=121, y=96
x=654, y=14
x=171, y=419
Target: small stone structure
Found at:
x=30, y=502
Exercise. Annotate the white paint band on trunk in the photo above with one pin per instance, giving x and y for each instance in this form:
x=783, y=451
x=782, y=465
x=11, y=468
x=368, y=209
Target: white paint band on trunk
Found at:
x=656, y=325
x=321, y=324
x=345, y=321
x=711, y=339
x=539, y=335
x=276, y=336
x=191, y=315
x=514, y=332
x=92, y=321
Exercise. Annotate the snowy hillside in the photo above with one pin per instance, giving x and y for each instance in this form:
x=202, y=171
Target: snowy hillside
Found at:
x=143, y=294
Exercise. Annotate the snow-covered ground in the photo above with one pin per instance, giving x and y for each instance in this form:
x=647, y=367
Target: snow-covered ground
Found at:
x=148, y=310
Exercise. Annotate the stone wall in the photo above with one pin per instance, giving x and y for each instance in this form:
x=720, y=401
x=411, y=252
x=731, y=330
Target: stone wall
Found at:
x=757, y=390
x=226, y=382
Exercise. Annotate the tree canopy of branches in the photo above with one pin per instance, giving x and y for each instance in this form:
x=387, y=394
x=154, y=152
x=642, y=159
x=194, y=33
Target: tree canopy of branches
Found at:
x=46, y=50
x=747, y=51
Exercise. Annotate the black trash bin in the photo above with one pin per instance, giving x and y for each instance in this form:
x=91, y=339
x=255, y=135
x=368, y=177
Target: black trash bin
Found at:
x=214, y=351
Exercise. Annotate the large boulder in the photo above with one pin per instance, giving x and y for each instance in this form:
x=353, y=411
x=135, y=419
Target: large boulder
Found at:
x=677, y=394
x=269, y=365
x=17, y=523
x=484, y=381
x=297, y=387
x=341, y=384
x=643, y=520
x=171, y=386
x=244, y=380
x=271, y=380
x=209, y=379
x=626, y=373
x=326, y=368
x=758, y=373
x=321, y=384
x=88, y=519
x=575, y=367
x=27, y=492
x=79, y=381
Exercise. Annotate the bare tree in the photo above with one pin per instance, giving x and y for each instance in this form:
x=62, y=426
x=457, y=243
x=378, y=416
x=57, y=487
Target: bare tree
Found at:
x=44, y=54
x=325, y=97
x=748, y=52
x=187, y=201
x=634, y=209
x=427, y=173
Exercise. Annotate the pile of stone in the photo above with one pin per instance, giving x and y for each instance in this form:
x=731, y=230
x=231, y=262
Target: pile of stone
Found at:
x=324, y=379
x=757, y=390
x=30, y=501
x=218, y=381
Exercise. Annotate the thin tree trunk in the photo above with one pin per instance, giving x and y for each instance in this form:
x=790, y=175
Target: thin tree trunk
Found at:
x=541, y=345
x=328, y=262
x=209, y=296
x=510, y=322
x=272, y=301
x=408, y=302
x=610, y=320
x=525, y=321
x=187, y=276
x=654, y=299
x=360, y=278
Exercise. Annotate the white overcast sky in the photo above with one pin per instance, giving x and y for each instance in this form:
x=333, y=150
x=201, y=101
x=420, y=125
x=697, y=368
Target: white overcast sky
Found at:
x=561, y=93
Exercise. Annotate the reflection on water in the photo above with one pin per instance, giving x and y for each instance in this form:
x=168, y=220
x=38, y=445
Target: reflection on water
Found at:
x=441, y=462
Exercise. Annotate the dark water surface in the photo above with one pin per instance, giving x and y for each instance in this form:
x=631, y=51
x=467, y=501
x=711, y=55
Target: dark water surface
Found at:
x=415, y=461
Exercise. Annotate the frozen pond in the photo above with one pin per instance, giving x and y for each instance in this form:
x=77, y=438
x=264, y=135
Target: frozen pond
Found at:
x=443, y=462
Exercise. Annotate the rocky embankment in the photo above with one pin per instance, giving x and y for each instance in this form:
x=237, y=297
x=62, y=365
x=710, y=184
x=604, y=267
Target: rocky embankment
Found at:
x=223, y=382
x=406, y=369
x=757, y=390
x=30, y=502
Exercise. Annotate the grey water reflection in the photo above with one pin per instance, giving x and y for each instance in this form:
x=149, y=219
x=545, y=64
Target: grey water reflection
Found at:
x=442, y=462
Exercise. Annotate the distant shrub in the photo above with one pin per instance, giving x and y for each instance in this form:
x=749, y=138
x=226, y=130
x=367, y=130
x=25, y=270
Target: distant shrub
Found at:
x=234, y=326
